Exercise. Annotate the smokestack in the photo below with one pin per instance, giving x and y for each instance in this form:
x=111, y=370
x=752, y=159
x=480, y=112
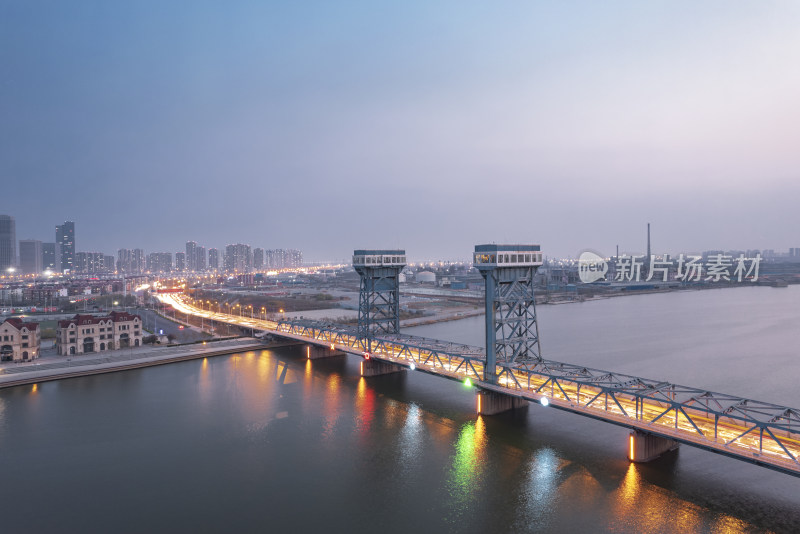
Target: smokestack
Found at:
x=648, y=241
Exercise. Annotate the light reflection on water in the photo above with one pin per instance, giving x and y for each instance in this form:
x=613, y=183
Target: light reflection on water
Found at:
x=272, y=441
x=541, y=487
x=468, y=466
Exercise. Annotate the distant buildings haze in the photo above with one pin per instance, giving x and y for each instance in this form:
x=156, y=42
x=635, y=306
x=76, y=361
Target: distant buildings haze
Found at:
x=8, y=243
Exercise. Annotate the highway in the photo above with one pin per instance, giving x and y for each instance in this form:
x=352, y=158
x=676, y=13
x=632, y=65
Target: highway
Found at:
x=749, y=430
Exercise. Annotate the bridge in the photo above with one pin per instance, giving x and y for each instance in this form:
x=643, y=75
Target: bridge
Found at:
x=510, y=371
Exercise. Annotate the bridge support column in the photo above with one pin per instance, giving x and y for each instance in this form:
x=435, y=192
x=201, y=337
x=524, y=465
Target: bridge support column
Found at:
x=376, y=368
x=491, y=402
x=315, y=352
x=644, y=447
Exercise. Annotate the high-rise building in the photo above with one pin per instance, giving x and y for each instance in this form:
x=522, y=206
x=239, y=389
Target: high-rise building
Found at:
x=191, y=261
x=124, y=260
x=137, y=260
x=200, y=259
x=30, y=256
x=213, y=259
x=65, y=236
x=80, y=264
x=283, y=259
x=8, y=243
x=51, y=257
x=258, y=259
x=238, y=258
x=90, y=263
x=180, y=261
x=294, y=258
x=159, y=262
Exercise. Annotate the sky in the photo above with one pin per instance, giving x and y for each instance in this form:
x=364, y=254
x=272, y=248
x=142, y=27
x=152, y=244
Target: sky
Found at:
x=430, y=126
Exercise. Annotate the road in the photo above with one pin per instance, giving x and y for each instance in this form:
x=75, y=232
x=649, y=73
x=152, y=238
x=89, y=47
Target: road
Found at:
x=153, y=321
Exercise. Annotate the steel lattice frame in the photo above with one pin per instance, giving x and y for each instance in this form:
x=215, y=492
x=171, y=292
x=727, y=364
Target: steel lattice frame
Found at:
x=516, y=333
x=379, y=293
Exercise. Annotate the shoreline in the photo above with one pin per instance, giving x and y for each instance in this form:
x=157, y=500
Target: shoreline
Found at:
x=63, y=369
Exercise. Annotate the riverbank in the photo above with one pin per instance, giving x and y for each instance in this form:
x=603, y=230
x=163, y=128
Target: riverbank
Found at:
x=61, y=367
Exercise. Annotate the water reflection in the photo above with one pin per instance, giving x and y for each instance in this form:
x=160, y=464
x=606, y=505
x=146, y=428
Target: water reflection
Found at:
x=644, y=507
x=468, y=466
x=331, y=409
x=284, y=373
x=268, y=423
x=541, y=487
x=365, y=408
x=411, y=436
x=204, y=389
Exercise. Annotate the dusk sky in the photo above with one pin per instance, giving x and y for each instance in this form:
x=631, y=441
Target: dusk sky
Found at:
x=432, y=126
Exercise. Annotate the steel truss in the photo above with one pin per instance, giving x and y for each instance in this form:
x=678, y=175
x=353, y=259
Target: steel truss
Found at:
x=759, y=432
x=516, y=333
x=378, y=302
x=724, y=423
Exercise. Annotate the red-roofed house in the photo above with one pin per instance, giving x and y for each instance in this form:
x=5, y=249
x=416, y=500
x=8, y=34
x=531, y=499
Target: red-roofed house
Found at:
x=19, y=341
x=88, y=333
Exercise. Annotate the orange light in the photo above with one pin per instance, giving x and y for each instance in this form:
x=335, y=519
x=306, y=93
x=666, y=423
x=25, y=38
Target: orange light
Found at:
x=362, y=368
x=308, y=352
x=631, y=447
x=479, y=403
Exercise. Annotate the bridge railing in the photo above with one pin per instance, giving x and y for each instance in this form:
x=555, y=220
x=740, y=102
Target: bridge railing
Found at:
x=763, y=432
x=719, y=421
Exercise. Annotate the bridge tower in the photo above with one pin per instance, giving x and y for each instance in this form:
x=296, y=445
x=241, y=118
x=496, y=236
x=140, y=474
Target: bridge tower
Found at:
x=512, y=333
x=379, y=296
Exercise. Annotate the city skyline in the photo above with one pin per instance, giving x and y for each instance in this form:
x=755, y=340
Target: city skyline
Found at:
x=633, y=249
x=565, y=125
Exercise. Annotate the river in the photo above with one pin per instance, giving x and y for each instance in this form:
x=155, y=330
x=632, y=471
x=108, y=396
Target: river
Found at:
x=271, y=442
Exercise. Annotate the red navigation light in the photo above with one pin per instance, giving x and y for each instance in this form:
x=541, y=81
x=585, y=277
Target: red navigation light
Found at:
x=366, y=355
x=180, y=327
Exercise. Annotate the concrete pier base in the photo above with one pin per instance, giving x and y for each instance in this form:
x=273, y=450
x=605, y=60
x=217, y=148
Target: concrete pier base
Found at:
x=375, y=368
x=491, y=403
x=315, y=352
x=643, y=447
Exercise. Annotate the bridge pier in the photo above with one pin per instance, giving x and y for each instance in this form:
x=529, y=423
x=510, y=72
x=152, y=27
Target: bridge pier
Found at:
x=644, y=447
x=491, y=402
x=376, y=368
x=315, y=352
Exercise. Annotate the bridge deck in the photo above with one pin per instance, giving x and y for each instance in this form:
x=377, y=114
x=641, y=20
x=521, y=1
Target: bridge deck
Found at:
x=757, y=432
